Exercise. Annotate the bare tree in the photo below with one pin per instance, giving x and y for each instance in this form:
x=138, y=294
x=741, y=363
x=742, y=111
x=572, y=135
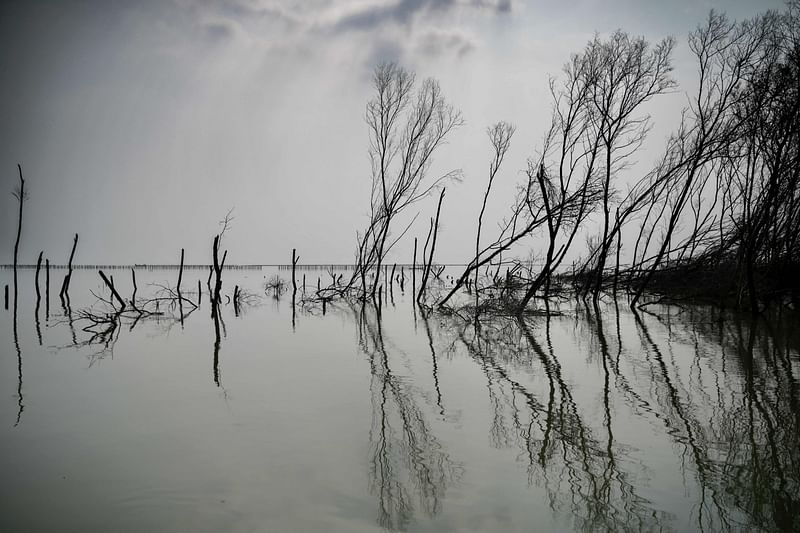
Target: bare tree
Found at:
x=727, y=55
x=571, y=153
x=21, y=195
x=623, y=73
x=500, y=135
x=427, y=264
x=405, y=132
x=761, y=167
x=527, y=215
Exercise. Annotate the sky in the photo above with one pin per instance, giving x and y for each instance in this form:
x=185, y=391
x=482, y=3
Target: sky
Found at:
x=140, y=124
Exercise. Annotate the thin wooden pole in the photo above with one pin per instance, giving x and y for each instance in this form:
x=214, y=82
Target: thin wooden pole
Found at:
x=68, y=277
x=38, y=268
x=47, y=287
x=180, y=273
x=135, y=288
x=21, y=199
x=414, y=270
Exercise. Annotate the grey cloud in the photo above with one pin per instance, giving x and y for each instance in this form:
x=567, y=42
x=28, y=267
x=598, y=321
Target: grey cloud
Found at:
x=404, y=12
x=401, y=12
x=388, y=30
x=274, y=12
x=436, y=43
x=242, y=12
x=385, y=50
x=498, y=6
x=217, y=32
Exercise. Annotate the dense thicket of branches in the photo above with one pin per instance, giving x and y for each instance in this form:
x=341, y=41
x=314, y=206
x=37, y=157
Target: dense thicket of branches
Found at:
x=723, y=204
x=717, y=215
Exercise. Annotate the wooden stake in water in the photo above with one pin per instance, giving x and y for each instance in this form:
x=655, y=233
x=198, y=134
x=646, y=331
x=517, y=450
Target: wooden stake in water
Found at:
x=414, y=270
x=135, y=288
x=38, y=268
x=295, y=259
x=180, y=273
x=47, y=288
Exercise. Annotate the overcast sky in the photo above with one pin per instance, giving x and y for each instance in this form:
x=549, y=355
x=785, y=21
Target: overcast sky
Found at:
x=140, y=124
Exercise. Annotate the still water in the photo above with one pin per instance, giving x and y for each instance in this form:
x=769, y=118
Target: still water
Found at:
x=594, y=419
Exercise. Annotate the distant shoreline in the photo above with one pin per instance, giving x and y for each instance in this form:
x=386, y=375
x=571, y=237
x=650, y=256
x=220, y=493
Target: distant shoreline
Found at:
x=206, y=266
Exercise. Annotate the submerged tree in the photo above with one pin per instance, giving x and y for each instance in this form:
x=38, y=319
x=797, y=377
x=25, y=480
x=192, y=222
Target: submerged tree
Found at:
x=21, y=195
x=405, y=132
x=723, y=198
x=622, y=73
x=596, y=127
x=728, y=173
x=762, y=172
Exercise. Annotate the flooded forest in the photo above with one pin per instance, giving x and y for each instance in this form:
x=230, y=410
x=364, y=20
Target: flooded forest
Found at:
x=619, y=351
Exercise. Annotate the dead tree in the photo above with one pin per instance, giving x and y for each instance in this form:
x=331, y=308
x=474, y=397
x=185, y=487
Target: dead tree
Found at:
x=113, y=290
x=569, y=165
x=500, y=136
x=624, y=72
x=414, y=269
x=727, y=55
x=295, y=259
x=47, y=288
x=427, y=268
x=218, y=266
x=178, y=288
x=21, y=195
x=527, y=215
x=135, y=288
x=36, y=278
x=180, y=273
x=405, y=132
x=65, y=285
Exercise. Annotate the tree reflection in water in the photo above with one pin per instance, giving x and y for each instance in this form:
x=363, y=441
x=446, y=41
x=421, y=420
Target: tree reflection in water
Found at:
x=579, y=396
x=719, y=387
x=406, y=458
x=740, y=415
x=576, y=465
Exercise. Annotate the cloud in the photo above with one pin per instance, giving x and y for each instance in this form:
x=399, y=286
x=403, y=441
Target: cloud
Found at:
x=440, y=42
x=217, y=32
x=373, y=15
x=363, y=30
x=406, y=28
x=385, y=50
x=245, y=12
x=376, y=15
x=498, y=6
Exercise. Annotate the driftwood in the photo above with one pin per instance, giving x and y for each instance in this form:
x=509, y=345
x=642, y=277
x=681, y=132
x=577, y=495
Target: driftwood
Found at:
x=114, y=292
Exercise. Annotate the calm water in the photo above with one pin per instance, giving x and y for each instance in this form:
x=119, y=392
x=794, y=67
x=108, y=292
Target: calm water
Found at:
x=681, y=419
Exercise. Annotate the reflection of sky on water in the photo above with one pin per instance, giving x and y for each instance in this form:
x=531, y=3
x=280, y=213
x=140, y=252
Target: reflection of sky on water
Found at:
x=674, y=419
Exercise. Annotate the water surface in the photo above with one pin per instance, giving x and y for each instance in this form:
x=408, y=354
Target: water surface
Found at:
x=600, y=419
